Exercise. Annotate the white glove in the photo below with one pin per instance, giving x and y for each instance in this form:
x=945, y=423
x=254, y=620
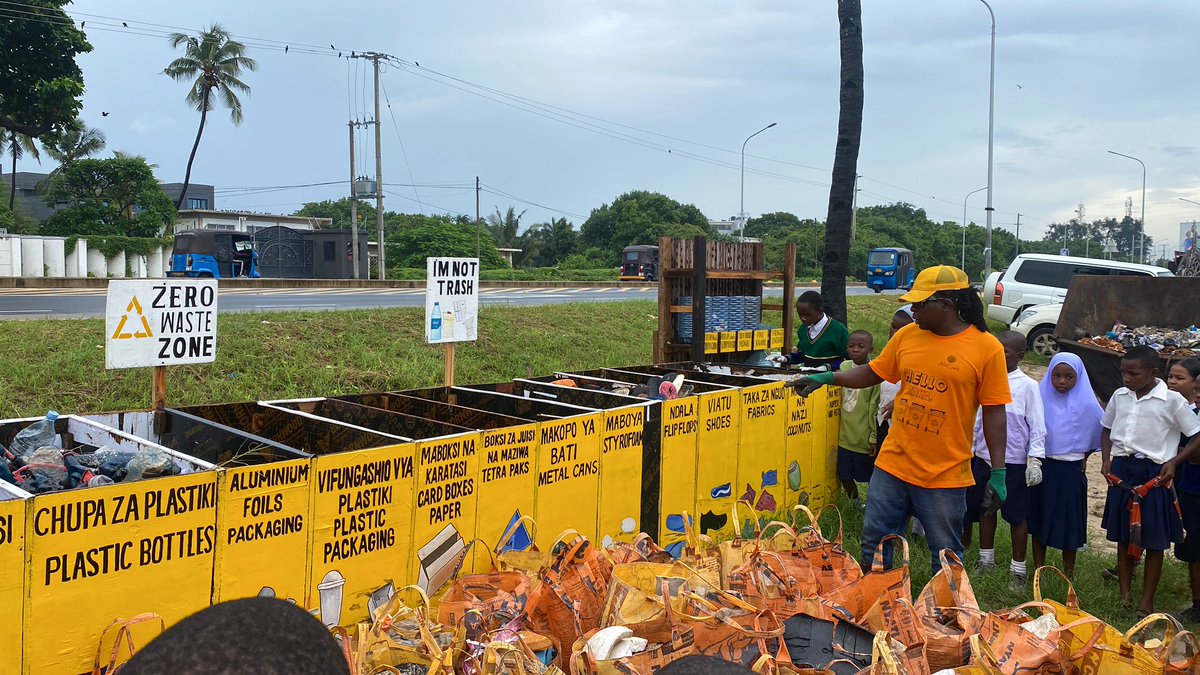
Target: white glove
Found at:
x=781, y=359
x=1033, y=472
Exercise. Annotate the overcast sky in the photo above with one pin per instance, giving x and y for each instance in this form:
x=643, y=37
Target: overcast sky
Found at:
x=1074, y=78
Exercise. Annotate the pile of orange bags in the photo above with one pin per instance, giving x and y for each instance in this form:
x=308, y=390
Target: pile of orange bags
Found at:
x=789, y=600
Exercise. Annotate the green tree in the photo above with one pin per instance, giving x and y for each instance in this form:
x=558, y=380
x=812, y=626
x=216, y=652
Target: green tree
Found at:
x=424, y=237
x=641, y=217
x=213, y=63
x=18, y=144
x=770, y=222
x=118, y=196
x=504, y=227
x=73, y=142
x=41, y=85
x=835, y=263
x=339, y=211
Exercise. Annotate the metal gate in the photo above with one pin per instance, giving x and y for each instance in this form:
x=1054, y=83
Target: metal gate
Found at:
x=284, y=253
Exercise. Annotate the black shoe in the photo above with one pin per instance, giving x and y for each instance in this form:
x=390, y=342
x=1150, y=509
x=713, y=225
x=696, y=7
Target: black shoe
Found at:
x=1110, y=574
x=1190, y=615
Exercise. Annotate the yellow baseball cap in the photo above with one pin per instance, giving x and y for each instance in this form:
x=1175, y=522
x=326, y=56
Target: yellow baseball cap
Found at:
x=934, y=279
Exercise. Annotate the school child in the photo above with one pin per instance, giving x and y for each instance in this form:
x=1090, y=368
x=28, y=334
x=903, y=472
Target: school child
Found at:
x=888, y=390
x=1140, y=447
x=857, y=434
x=1058, y=506
x=1023, y=451
x=1183, y=378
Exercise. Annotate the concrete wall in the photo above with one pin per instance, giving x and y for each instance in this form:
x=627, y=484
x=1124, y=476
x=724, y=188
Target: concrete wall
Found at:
x=77, y=259
x=54, y=256
x=10, y=256
x=97, y=266
x=116, y=266
x=33, y=258
x=154, y=264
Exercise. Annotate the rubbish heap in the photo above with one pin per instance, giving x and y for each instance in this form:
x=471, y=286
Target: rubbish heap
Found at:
x=1172, y=342
x=788, y=600
x=36, y=463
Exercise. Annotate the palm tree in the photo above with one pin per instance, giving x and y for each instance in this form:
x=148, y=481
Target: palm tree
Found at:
x=18, y=144
x=213, y=63
x=76, y=141
x=845, y=161
x=504, y=226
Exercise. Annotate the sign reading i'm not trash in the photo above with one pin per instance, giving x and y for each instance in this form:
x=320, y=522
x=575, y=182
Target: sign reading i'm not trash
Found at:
x=160, y=323
x=451, y=300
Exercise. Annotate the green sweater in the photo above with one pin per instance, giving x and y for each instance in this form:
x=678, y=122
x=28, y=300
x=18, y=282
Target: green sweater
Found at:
x=859, y=410
x=828, y=349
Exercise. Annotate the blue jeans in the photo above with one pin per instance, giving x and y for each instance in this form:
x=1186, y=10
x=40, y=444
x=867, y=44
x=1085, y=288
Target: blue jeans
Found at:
x=891, y=502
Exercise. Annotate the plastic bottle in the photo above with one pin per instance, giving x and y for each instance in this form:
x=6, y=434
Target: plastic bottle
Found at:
x=39, y=434
x=435, y=323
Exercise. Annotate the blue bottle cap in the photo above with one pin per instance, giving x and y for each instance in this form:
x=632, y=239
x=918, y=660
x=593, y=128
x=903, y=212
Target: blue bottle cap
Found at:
x=52, y=415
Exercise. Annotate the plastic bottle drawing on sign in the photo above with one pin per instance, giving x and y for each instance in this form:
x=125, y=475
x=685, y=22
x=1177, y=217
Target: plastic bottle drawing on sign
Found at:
x=435, y=323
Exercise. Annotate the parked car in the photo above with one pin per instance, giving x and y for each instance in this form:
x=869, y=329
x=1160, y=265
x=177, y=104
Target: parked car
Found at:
x=1037, y=324
x=1038, y=279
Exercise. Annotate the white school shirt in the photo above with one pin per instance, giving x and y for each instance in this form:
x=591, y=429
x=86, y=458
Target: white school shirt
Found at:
x=815, y=329
x=1150, y=425
x=1026, y=423
x=887, y=394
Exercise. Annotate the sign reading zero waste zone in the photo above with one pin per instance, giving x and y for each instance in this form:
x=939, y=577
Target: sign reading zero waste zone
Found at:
x=160, y=323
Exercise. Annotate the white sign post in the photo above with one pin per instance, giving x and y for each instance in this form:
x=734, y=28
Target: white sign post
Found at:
x=160, y=323
x=451, y=304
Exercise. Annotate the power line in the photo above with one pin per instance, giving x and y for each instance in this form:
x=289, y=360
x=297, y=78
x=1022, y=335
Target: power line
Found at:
x=400, y=140
x=501, y=193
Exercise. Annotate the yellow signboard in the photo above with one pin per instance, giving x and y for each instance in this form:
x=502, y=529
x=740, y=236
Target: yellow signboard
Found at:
x=801, y=474
x=677, y=466
x=568, y=491
x=814, y=472
x=507, y=480
x=762, y=447
x=716, y=460
x=264, y=524
x=833, y=425
x=362, y=530
x=745, y=340
x=621, y=474
x=711, y=343
x=728, y=342
x=103, y=553
x=776, y=338
x=12, y=580
x=447, y=495
x=762, y=339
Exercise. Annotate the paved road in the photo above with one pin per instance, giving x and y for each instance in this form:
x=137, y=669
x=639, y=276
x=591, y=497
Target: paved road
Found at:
x=24, y=303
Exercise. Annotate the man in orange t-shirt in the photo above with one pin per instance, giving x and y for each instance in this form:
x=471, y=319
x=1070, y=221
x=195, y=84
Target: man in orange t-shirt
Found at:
x=948, y=365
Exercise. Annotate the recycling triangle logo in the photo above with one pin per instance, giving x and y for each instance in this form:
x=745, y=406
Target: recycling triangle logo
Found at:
x=122, y=333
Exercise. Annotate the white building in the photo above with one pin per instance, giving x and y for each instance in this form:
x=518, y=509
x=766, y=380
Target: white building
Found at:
x=242, y=221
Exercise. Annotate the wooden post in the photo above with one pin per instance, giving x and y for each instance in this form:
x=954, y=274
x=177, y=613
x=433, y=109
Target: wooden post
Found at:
x=666, y=323
x=789, y=298
x=699, y=290
x=449, y=364
x=159, y=397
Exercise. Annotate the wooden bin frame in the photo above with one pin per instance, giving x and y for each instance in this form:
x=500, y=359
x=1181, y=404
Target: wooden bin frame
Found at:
x=740, y=263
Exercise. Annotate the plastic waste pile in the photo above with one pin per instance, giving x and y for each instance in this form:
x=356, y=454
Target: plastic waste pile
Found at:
x=36, y=463
x=1172, y=342
x=787, y=601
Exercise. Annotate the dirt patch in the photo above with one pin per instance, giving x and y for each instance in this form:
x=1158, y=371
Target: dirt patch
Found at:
x=1097, y=487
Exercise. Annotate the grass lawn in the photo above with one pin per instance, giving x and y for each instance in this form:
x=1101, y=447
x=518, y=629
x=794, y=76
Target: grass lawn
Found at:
x=59, y=364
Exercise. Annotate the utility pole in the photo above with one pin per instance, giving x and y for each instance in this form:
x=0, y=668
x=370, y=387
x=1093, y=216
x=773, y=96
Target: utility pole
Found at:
x=379, y=174
x=1018, y=251
x=353, y=208
x=854, y=209
x=477, y=221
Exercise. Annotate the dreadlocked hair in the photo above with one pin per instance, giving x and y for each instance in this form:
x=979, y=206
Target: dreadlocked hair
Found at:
x=969, y=306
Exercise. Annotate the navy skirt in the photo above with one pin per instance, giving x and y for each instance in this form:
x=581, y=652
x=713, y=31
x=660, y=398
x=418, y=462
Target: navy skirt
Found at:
x=1058, y=506
x=1160, y=521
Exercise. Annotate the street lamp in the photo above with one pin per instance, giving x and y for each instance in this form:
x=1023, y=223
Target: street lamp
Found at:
x=1142, y=228
x=963, y=264
x=987, y=251
x=1189, y=201
x=742, y=201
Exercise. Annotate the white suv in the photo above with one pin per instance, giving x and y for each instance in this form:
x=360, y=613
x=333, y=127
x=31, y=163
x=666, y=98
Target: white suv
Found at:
x=1037, y=324
x=1037, y=279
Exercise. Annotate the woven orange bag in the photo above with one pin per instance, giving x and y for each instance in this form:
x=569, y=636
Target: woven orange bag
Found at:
x=949, y=614
x=832, y=565
x=570, y=600
x=856, y=598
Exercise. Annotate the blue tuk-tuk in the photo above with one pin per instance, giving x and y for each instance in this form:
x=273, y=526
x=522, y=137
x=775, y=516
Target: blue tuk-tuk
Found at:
x=890, y=268
x=216, y=254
